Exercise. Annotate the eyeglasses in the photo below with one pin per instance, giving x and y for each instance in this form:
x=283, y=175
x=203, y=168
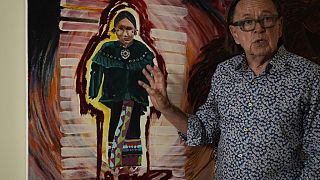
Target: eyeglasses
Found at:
x=249, y=24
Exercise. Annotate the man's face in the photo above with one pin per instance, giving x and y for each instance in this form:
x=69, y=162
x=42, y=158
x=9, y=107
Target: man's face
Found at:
x=260, y=41
x=125, y=32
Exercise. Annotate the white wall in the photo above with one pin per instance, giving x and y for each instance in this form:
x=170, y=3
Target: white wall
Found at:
x=12, y=90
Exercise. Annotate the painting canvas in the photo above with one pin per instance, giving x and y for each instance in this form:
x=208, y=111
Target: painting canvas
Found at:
x=87, y=116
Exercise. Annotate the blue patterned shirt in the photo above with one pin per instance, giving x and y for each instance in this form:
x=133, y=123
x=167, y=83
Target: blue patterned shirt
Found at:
x=268, y=126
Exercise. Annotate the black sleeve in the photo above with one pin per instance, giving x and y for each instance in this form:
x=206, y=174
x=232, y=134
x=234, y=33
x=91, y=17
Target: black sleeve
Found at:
x=95, y=80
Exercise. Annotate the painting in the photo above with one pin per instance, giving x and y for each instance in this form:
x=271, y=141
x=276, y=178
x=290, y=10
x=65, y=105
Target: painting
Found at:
x=87, y=116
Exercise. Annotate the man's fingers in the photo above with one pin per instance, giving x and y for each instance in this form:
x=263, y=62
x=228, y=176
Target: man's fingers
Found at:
x=155, y=71
x=149, y=90
x=156, y=68
x=144, y=85
x=149, y=78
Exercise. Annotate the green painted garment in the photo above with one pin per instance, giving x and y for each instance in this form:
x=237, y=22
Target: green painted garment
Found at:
x=120, y=75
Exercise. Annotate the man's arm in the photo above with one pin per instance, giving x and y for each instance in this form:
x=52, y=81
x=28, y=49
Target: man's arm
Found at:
x=201, y=128
x=159, y=98
x=311, y=137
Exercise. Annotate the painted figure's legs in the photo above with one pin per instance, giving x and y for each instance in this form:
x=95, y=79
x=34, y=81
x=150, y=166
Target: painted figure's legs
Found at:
x=134, y=131
x=116, y=108
x=120, y=134
x=124, y=147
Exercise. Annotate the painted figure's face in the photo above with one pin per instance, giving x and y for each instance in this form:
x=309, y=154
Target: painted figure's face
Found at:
x=256, y=27
x=125, y=32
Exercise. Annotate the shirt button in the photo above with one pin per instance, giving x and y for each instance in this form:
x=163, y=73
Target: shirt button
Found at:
x=250, y=104
x=253, y=81
x=245, y=130
x=240, y=155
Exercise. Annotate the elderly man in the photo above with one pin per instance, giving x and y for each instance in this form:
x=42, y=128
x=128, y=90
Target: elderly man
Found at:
x=263, y=107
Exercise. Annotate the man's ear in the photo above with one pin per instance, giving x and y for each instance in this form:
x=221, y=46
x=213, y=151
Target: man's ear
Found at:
x=234, y=34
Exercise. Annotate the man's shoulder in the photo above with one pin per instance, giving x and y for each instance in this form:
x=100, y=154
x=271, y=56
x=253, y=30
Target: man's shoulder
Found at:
x=231, y=63
x=302, y=64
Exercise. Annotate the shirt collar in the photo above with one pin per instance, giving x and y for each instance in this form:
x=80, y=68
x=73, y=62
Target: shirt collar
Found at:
x=242, y=64
x=277, y=63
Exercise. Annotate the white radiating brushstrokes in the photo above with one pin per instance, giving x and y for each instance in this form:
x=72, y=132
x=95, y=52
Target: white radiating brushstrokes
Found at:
x=69, y=49
x=171, y=47
x=179, y=172
x=67, y=82
x=85, y=14
x=77, y=128
x=167, y=22
x=175, y=89
x=79, y=174
x=163, y=150
x=69, y=115
x=78, y=151
x=176, y=101
x=175, y=78
x=175, y=68
x=167, y=10
x=69, y=61
x=172, y=140
x=70, y=72
x=79, y=162
x=76, y=39
x=173, y=58
x=77, y=141
x=167, y=161
x=78, y=26
x=66, y=104
x=67, y=93
x=164, y=130
x=175, y=97
x=169, y=35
